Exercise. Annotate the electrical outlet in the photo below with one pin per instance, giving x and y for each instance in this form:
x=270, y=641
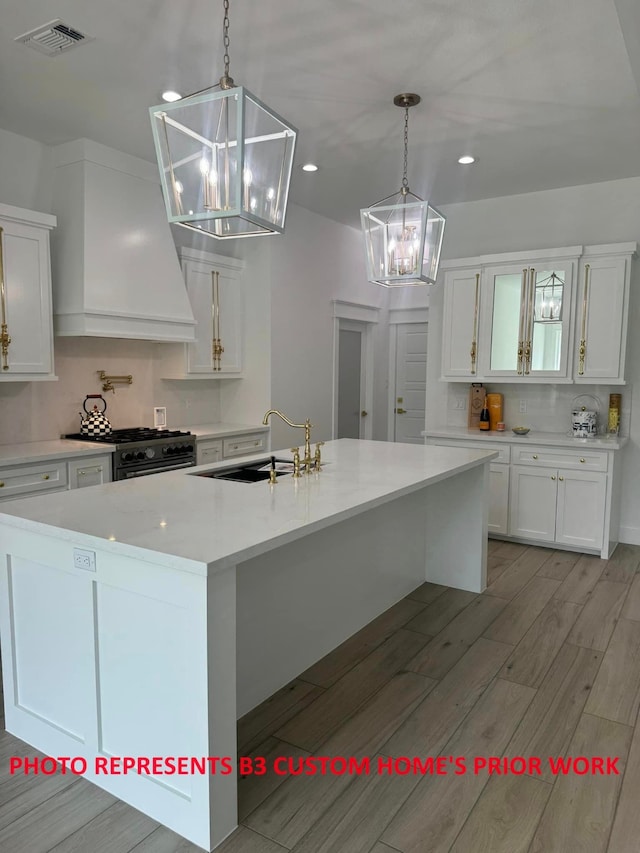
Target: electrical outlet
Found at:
x=460, y=404
x=523, y=407
x=83, y=559
x=159, y=416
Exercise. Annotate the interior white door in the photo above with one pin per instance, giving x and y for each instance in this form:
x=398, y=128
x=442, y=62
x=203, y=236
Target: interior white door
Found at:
x=351, y=364
x=411, y=382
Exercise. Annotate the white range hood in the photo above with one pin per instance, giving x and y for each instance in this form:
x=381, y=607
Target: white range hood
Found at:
x=115, y=268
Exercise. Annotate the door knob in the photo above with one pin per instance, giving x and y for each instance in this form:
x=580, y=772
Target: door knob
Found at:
x=363, y=414
x=401, y=411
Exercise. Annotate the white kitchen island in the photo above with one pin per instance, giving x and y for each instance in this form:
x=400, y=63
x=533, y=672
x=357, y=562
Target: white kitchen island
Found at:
x=206, y=596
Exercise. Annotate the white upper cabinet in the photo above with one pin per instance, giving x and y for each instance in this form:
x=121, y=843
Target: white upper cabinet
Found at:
x=215, y=290
x=461, y=318
x=527, y=328
x=555, y=315
x=601, y=313
x=26, y=352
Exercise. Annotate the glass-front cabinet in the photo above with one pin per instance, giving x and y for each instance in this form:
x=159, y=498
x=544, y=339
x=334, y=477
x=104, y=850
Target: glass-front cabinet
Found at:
x=527, y=320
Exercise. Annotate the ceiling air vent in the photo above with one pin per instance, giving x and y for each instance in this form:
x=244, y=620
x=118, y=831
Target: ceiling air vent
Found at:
x=53, y=38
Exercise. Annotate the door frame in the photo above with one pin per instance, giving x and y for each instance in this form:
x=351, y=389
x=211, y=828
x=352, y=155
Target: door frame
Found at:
x=368, y=317
x=397, y=317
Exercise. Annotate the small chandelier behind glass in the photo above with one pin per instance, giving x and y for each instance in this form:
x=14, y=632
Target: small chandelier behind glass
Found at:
x=225, y=159
x=548, y=302
x=402, y=233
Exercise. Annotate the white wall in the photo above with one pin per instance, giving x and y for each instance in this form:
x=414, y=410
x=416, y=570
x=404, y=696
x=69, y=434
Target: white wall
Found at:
x=596, y=213
x=26, y=179
x=315, y=261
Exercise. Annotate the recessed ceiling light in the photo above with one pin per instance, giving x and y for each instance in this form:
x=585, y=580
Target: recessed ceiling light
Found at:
x=309, y=167
x=466, y=159
x=171, y=96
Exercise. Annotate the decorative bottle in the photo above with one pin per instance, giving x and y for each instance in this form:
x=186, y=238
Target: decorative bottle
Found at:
x=484, y=417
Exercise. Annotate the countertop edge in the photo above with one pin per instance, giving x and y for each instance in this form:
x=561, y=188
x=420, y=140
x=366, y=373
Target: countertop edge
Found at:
x=543, y=438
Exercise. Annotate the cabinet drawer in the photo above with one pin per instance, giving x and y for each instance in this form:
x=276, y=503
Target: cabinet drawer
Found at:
x=30, y=479
x=241, y=445
x=503, y=450
x=209, y=451
x=560, y=457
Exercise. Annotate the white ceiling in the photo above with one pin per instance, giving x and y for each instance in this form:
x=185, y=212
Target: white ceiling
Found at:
x=542, y=92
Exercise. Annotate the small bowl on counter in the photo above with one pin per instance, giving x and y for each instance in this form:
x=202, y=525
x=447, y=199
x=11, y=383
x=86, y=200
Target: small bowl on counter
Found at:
x=520, y=430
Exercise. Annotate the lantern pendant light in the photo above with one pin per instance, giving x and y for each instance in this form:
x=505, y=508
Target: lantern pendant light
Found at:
x=225, y=159
x=402, y=233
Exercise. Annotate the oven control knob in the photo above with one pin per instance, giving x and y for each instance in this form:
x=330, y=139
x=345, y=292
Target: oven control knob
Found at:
x=140, y=454
x=189, y=448
x=171, y=449
x=149, y=453
x=126, y=457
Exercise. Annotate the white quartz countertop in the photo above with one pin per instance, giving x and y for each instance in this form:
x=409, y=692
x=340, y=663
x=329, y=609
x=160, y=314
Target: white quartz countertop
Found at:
x=221, y=430
x=544, y=438
x=199, y=524
x=43, y=451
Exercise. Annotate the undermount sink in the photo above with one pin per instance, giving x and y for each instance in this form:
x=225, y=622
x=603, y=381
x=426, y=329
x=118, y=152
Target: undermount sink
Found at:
x=248, y=473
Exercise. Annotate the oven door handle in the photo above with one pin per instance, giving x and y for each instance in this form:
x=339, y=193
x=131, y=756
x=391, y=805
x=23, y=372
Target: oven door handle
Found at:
x=128, y=475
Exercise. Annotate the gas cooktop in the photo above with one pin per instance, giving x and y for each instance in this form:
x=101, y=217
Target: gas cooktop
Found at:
x=126, y=436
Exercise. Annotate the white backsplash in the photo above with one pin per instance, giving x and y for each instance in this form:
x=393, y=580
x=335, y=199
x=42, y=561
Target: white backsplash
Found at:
x=548, y=406
x=38, y=411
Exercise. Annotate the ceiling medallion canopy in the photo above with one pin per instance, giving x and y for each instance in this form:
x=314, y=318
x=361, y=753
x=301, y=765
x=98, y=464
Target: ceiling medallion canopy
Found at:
x=402, y=232
x=225, y=159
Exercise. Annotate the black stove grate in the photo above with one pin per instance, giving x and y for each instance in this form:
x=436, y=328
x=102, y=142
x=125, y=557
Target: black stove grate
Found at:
x=122, y=436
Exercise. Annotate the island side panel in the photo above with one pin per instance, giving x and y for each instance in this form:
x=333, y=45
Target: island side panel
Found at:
x=457, y=515
x=298, y=602
x=129, y=660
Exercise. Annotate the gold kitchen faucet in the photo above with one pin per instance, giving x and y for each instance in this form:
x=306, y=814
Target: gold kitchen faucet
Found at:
x=308, y=463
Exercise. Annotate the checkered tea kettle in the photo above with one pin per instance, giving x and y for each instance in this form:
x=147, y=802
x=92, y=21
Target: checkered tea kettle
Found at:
x=96, y=422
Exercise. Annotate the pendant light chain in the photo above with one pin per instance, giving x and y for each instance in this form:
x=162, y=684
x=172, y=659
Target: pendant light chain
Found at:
x=226, y=82
x=405, y=181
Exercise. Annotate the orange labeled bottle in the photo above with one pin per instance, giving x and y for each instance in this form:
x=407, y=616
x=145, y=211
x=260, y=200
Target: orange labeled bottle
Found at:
x=494, y=404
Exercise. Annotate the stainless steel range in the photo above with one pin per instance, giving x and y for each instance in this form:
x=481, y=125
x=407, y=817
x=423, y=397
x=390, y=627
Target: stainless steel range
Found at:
x=143, y=450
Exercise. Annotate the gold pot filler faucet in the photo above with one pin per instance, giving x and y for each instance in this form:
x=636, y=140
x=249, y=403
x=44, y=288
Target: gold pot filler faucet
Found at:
x=307, y=463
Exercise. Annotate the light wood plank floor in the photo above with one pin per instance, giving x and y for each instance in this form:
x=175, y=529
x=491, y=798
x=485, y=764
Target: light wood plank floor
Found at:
x=545, y=662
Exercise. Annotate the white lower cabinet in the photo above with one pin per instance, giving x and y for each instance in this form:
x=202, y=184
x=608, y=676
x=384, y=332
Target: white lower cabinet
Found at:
x=558, y=505
x=558, y=494
x=89, y=472
x=498, y=497
x=208, y=450
x=216, y=449
x=54, y=475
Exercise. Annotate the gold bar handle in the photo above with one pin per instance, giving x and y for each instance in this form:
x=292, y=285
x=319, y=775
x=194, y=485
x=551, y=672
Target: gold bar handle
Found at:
x=582, y=350
x=474, y=340
x=529, y=322
x=216, y=344
x=5, y=338
x=523, y=301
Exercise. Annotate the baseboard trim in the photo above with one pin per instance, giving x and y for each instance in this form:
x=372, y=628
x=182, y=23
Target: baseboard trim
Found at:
x=630, y=535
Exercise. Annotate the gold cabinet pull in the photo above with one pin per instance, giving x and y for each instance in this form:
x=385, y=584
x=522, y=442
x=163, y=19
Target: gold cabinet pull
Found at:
x=529, y=321
x=535, y=456
x=582, y=349
x=45, y=476
x=553, y=476
x=81, y=473
x=561, y=478
x=583, y=460
x=256, y=443
x=474, y=339
x=521, y=331
x=5, y=338
x=1, y=485
x=363, y=414
x=216, y=344
x=401, y=411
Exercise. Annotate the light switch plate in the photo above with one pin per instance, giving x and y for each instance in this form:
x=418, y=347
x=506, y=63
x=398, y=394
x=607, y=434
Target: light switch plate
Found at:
x=159, y=416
